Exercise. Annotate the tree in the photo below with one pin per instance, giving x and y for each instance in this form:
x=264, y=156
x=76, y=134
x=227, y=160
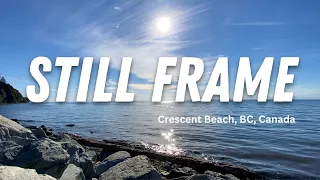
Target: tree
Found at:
x=3, y=80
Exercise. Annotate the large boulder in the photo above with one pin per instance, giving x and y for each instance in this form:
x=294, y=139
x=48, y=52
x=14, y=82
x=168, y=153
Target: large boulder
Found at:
x=14, y=173
x=110, y=161
x=41, y=155
x=72, y=172
x=8, y=151
x=137, y=167
x=12, y=131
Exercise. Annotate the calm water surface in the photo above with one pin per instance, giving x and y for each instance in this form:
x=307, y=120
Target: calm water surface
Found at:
x=276, y=150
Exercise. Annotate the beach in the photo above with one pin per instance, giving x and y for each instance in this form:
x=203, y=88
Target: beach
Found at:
x=68, y=156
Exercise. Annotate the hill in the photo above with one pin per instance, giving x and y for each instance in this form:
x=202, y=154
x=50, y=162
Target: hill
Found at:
x=8, y=94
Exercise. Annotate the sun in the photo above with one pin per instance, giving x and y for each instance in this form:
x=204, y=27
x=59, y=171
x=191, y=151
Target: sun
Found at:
x=163, y=24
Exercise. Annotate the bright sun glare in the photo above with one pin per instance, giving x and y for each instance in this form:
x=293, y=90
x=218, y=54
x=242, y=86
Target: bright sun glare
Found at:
x=163, y=24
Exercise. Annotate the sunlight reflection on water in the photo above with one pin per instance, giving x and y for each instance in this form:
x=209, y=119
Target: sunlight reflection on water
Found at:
x=168, y=147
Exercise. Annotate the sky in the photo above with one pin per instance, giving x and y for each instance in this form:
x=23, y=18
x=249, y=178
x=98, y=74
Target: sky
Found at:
x=203, y=29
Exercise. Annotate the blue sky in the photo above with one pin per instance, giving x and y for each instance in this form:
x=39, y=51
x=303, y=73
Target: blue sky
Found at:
x=204, y=29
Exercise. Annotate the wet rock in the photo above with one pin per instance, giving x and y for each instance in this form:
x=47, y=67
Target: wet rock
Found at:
x=14, y=173
x=41, y=155
x=70, y=125
x=86, y=165
x=110, y=161
x=178, y=172
x=8, y=151
x=137, y=167
x=72, y=172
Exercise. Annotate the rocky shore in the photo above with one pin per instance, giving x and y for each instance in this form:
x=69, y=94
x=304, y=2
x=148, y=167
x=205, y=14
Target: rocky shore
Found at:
x=40, y=153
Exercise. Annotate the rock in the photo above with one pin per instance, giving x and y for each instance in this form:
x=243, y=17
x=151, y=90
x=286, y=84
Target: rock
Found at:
x=14, y=173
x=72, y=172
x=137, y=167
x=12, y=131
x=203, y=177
x=70, y=125
x=221, y=176
x=8, y=151
x=86, y=165
x=39, y=133
x=46, y=130
x=178, y=172
x=103, y=155
x=118, y=156
x=41, y=155
x=57, y=170
x=230, y=177
x=75, y=159
x=180, y=178
x=110, y=161
x=15, y=120
x=212, y=173
x=92, y=155
x=72, y=147
x=164, y=173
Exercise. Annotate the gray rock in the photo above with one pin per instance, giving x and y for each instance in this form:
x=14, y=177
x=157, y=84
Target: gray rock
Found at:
x=75, y=159
x=120, y=155
x=212, y=173
x=221, y=176
x=56, y=171
x=8, y=151
x=178, y=172
x=230, y=177
x=72, y=146
x=92, y=155
x=203, y=177
x=86, y=165
x=39, y=133
x=12, y=131
x=14, y=173
x=110, y=161
x=72, y=172
x=41, y=155
x=137, y=167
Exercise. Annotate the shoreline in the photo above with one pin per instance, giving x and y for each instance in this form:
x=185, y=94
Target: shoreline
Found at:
x=165, y=165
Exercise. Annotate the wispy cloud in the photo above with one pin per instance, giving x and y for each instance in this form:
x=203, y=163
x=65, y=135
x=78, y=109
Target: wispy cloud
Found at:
x=257, y=23
x=129, y=32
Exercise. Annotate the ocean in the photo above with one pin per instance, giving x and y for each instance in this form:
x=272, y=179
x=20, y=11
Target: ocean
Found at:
x=277, y=150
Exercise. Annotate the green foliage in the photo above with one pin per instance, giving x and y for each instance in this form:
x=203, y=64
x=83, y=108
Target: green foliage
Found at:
x=10, y=95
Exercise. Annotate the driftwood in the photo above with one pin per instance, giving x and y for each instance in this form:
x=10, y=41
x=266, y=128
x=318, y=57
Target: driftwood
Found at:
x=197, y=164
